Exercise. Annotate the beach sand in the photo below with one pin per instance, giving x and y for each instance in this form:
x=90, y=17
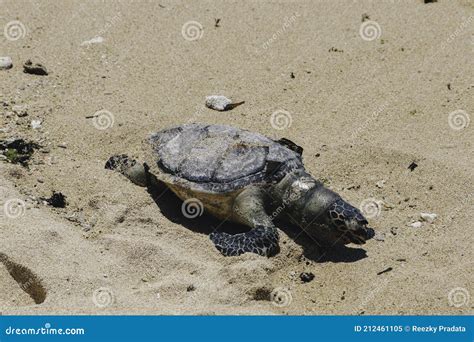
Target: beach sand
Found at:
x=365, y=87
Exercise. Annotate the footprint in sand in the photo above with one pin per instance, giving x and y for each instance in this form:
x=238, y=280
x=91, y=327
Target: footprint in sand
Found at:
x=26, y=279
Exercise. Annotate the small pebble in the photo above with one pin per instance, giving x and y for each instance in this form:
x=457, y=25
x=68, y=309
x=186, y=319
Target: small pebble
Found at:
x=35, y=124
x=428, y=217
x=306, y=277
x=20, y=110
x=62, y=145
x=34, y=68
x=95, y=40
x=380, y=183
x=220, y=103
x=217, y=102
x=379, y=236
x=416, y=224
x=5, y=63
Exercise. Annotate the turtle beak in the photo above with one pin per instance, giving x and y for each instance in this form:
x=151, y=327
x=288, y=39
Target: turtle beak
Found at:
x=360, y=233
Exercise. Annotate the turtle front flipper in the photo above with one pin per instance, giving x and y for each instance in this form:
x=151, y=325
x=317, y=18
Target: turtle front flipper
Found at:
x=262, y=239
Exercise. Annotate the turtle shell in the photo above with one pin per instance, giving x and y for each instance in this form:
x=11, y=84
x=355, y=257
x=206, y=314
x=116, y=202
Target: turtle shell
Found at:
x=218, y=158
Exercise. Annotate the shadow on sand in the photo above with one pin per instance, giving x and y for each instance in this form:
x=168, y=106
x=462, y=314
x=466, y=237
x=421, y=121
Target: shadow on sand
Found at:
x=170, y=206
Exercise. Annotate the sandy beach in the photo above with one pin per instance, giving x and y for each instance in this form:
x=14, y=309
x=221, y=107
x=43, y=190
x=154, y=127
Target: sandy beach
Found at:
x=378, y=93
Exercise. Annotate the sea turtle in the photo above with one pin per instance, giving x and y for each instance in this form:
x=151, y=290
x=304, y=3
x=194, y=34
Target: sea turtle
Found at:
x=247, y=178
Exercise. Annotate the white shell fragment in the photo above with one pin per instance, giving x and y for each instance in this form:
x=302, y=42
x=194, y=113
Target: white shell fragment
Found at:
x=416, y=224
x=95, y=40
x=35, y=124
x=5, y=63
x=217, y=102
x=428, y=217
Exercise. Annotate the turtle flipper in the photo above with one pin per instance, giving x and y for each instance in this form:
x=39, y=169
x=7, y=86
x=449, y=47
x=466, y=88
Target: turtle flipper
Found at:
x=262, y=239
x=291, y=145
x=129, y=167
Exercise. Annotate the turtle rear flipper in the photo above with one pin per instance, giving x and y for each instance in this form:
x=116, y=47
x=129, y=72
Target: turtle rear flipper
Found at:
x=129, y=167
x=291, y=145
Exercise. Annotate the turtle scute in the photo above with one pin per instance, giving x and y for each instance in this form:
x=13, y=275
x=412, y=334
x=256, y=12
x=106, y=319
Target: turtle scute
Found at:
x=240, y=161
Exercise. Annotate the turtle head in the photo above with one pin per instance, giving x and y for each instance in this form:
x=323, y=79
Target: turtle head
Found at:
x=338, y=223
x=348, y=221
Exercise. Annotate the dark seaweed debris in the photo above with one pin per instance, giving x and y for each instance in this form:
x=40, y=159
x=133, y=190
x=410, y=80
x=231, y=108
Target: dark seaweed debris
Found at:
x=388, y=269
x=34, y=68
x=17, y=151
x=413, y=166
x=306, y=277
x=57, y=200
